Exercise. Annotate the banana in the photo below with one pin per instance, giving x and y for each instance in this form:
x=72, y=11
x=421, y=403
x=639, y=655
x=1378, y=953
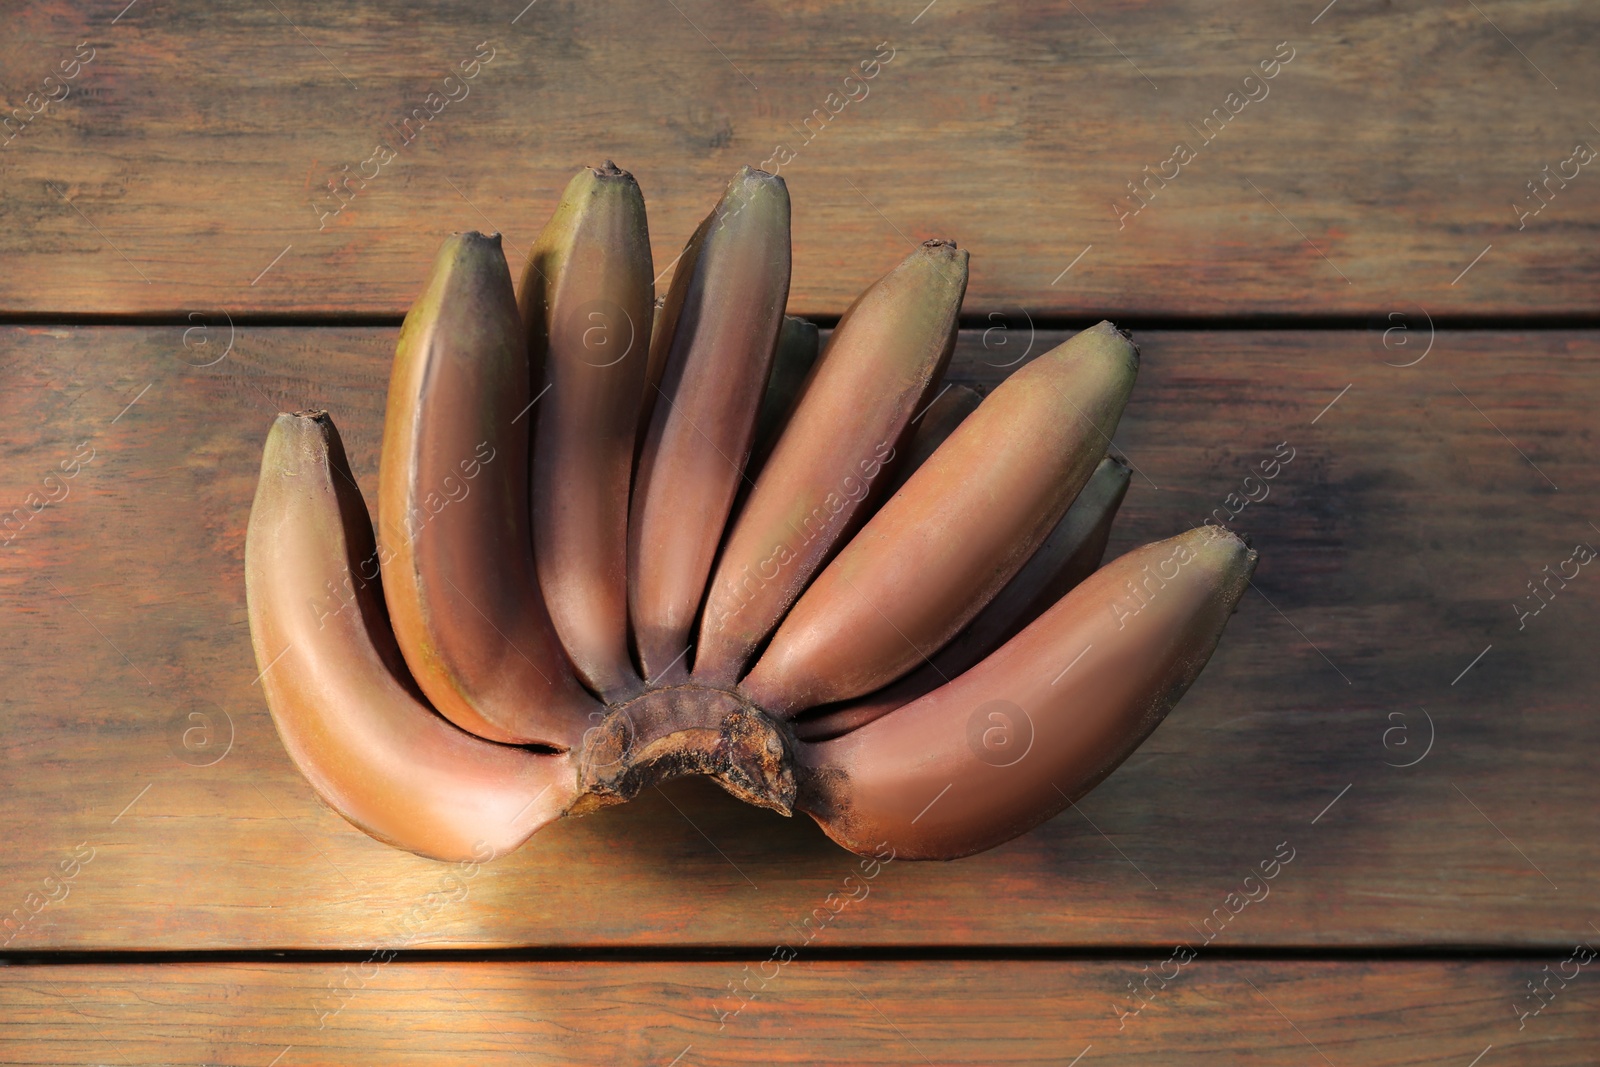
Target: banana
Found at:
x=721, y=323
x=1040, y=721
x=587, y=301
x=891, y=345
x=337, y=687
x=796, y=355
x=956, y=532
x=453, y=511
x=1070, y=554
x=622, y=540
x=947, y=410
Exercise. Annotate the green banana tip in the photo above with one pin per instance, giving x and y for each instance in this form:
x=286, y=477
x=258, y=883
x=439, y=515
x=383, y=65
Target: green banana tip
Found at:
x=1103, y=346
x=1233, y=549
x=469, y=237
x=1108, y=327
x=753, y=178
x=298, y=439
x=945, y=254
x=302, y=421
x=466, y=246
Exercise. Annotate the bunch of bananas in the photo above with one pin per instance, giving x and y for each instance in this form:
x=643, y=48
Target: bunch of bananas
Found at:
x=621, y=541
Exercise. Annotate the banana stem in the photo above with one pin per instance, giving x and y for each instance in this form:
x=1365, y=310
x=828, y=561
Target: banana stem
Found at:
x=682, y=730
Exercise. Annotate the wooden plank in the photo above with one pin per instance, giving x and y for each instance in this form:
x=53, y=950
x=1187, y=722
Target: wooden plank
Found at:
x=188, y=165
x=1394, y=544
x=1211, y=1012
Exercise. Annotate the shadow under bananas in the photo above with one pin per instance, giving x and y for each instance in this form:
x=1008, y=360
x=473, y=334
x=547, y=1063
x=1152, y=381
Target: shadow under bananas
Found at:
x=694, y=815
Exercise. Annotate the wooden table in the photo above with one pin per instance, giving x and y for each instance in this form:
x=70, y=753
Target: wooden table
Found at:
x=1348, y=261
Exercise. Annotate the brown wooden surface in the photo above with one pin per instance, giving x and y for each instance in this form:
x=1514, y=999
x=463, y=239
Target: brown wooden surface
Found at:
x=1387, y=155
x=1393, y=545
x=1214, y=1012
x=1374, y=705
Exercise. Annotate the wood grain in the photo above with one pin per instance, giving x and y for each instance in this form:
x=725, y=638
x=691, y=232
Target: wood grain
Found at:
x=185, y=166
x=1212, y=1012
x=1393, y=546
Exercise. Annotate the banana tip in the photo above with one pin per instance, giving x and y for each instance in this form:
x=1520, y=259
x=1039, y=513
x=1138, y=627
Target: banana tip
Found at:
x=1109, y=327
x=297, y=423
x=756, y=176
x=466, y=242
x=946, y=254
x=1235, y=547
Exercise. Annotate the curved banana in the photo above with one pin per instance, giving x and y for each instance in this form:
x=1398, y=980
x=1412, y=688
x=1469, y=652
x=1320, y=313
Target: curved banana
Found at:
x=1071, y=553
x=721, y=322
x=891, y=345
x=950, y=539
x=337, y=687
x=454, y=529
x=587, y=302
x=1042, y=720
